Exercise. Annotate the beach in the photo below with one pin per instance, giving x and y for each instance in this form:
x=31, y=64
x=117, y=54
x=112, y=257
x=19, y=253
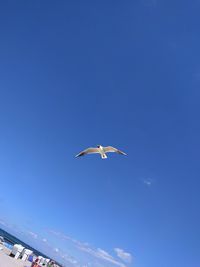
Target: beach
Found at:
x=7, y=261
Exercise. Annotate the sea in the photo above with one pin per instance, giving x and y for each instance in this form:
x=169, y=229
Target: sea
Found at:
x=10, y=240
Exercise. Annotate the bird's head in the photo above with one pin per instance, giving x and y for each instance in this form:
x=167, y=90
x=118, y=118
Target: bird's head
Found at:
x=98, y=146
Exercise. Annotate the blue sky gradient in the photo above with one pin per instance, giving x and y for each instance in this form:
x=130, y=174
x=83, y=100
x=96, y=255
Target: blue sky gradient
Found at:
x=80, y=73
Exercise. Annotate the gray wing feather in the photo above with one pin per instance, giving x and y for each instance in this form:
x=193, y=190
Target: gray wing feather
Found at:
x=113, y=149
x=89, y=150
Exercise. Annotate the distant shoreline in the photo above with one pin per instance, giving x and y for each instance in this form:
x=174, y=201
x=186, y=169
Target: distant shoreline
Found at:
x=14, y=240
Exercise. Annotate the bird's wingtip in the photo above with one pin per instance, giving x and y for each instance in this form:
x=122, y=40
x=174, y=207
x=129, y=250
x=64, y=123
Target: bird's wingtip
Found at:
x=123, y=153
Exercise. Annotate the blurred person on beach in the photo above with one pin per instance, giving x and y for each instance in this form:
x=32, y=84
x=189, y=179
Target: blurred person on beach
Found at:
x=51, y=264
x=35, y=263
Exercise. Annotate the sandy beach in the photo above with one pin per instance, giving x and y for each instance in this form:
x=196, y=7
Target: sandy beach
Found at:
x=7, y=261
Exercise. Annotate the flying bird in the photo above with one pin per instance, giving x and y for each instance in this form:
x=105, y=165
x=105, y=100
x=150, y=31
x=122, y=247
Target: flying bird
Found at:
x=101, y=150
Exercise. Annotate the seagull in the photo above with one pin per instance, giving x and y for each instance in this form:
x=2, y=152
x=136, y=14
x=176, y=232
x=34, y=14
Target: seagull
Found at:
x=101, y=150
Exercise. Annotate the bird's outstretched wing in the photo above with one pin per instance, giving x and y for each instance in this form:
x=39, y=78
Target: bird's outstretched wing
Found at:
x=89, y=150
x=113, y=149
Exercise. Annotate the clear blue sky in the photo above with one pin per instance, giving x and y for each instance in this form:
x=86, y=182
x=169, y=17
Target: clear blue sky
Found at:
x=75, y=74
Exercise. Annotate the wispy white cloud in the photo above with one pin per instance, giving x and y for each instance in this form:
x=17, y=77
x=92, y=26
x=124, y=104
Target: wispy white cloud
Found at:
x=56, y=250
x=102, y=255
x=2, y=222
x=34, y=235
x=125, y=256
x=97, y=253
x=70, y=259
x=148, y=181
x=54, y=232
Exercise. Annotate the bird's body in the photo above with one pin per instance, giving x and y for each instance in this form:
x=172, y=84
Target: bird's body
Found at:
x=101, y=150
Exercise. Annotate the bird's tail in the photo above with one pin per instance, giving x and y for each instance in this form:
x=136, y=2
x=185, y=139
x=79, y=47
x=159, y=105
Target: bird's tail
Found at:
x=103, y=156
